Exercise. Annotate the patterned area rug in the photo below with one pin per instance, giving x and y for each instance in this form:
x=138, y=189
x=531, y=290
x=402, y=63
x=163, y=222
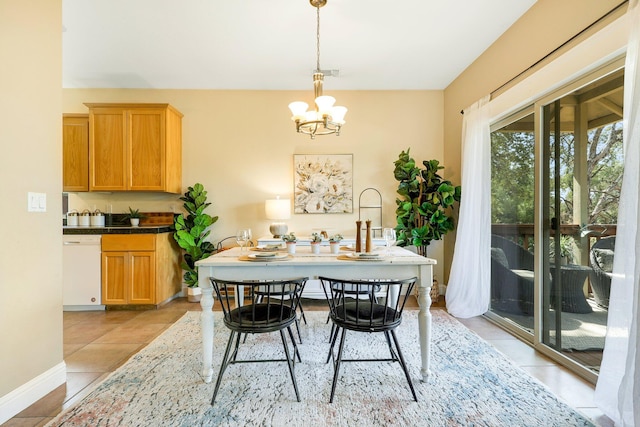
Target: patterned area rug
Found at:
x=472, y=384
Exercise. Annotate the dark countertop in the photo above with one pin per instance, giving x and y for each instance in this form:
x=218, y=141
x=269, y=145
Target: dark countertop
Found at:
x=119, y=229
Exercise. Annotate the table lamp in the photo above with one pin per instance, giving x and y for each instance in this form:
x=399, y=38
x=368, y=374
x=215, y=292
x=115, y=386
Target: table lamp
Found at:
x=278, y=210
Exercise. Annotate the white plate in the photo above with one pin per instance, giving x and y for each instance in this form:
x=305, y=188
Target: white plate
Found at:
x=267, y=248
x=269, y=256
x=353, y=247
x=361, y=256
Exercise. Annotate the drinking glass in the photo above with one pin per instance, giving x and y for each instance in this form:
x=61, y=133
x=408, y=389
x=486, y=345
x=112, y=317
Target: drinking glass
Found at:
x=242, y=236
x=389, y=235
x=249, y=238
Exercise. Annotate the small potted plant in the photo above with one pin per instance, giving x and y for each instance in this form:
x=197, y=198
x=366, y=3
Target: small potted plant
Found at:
x=134, y=216
x=316, y=239
x=334, y=243
x=291, y=240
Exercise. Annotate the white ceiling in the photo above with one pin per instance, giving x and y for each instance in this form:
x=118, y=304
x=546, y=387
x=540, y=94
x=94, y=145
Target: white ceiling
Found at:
x=271, y=45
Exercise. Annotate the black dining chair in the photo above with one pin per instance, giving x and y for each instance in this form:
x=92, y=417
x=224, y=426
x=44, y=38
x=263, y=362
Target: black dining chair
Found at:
x=288, y=292
x=339, y=292
x=273, y=313
x=384, y=314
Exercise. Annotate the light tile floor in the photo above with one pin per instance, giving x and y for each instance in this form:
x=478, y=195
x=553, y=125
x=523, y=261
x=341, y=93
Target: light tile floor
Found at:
x=96, y=343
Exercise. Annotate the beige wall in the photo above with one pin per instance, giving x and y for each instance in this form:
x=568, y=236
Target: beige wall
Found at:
x=31, y=261
x=240, y=145
x=544, y=28
x=241, y=161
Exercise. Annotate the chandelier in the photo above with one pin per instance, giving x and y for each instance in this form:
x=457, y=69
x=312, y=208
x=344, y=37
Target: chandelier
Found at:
x=326, y=118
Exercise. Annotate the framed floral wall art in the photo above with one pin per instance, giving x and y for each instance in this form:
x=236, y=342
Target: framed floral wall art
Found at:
x=323, y=183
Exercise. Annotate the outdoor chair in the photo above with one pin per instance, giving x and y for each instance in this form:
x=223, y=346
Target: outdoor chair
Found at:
x=273, y=313
x=511, y=277
x=367, y=315
x=601, y=257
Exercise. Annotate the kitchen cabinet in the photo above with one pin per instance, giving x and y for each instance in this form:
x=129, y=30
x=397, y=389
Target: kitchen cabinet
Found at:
x=139, y=269
x=135, y=147
x=75, y=152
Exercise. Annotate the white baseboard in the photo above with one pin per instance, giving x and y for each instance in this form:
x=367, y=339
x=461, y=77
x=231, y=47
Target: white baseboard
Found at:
x=442, y=289
x=30, y=392
x=83, y=308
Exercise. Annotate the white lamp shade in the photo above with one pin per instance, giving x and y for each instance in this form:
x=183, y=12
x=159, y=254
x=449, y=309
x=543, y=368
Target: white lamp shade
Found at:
x=278, y=209
x=338, y=113
x=325, y=103
x=298, y=109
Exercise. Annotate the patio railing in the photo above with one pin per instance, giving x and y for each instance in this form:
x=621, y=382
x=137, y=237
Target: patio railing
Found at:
x=523, y=233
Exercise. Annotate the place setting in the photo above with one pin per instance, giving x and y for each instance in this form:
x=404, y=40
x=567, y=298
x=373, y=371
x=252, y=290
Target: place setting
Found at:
x=374, y=253
x=268, y=248
x=362, y=256
x=265, y=256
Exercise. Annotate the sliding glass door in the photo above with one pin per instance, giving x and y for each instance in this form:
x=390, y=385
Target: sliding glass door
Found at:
x=556, y=175
x=582, y=172
x=512, y=234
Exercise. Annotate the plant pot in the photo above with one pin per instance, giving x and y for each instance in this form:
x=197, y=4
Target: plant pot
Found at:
x=291, y=247
x=134, y=222
x=194, y=294
x=335, y=247
x=315, y=248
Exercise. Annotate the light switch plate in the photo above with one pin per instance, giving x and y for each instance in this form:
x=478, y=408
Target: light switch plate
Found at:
x=36, y=202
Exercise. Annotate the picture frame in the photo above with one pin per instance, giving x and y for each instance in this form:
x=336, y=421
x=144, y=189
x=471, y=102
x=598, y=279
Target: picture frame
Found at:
x=323, y=183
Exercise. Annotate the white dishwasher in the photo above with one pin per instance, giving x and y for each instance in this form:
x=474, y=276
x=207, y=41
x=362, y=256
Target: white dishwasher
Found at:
x=81, y=265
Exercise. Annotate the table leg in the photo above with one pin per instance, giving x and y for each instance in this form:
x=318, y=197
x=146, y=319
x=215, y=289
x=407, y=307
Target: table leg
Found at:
x=206, y=326
x=424, y=320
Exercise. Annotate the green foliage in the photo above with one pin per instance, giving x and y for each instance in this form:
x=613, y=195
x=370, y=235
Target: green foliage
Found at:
x=192, y=230
x=425, y=202
x=135, y=213
x=291, y=237
x=567, y=247
x=512, y=177
x=513, y=182
x=605, y=166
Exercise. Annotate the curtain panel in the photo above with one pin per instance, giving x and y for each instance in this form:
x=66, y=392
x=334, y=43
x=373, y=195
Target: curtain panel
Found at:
x=469, y=288
x=618, y=388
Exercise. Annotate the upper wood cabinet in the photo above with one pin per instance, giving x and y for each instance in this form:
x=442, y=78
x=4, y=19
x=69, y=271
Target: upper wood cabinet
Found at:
x=75, y=152
x=135, y=147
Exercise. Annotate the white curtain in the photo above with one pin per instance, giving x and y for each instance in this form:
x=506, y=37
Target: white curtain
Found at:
x=469, y=287
x=618, y=389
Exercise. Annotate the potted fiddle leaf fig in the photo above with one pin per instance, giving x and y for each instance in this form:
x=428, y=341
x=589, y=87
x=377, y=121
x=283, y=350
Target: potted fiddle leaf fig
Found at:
x=191, y=233
x=425, y=203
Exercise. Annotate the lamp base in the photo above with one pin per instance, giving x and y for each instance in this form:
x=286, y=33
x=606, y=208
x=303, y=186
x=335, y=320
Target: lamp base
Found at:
x=278, y=229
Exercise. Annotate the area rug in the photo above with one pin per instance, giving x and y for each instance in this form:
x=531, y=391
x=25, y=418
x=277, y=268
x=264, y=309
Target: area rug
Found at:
x=580, y=331
x=471, y=384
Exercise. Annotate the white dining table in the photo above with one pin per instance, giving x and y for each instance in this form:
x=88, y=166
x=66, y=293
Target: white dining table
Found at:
x=397, y=263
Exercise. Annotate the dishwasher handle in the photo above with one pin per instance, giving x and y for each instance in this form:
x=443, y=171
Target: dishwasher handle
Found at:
x=82, y=241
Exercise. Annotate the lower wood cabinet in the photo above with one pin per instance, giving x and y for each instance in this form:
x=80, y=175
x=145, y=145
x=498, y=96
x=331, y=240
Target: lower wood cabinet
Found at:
x=139, y=269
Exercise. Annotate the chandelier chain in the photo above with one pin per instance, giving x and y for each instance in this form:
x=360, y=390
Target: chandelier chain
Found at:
x=318, y=39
